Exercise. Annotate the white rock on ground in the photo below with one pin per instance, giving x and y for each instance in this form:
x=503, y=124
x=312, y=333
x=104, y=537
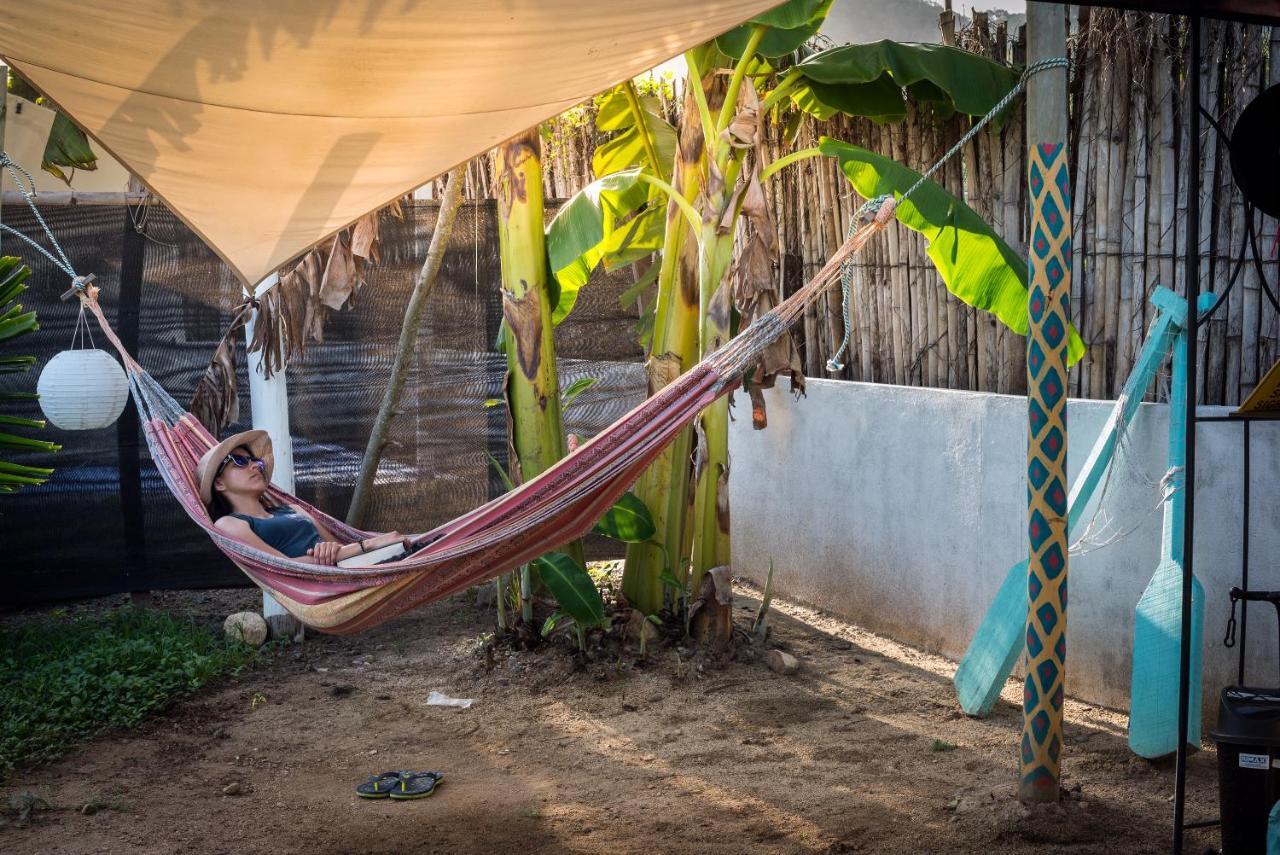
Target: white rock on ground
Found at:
x=248, y=627
x=782, y=663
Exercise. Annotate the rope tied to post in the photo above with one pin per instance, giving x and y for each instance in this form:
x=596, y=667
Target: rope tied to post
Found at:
x=29, y=194
x=846, y=273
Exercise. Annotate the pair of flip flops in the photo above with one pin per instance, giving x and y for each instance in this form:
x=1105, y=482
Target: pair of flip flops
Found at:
x=400, y=785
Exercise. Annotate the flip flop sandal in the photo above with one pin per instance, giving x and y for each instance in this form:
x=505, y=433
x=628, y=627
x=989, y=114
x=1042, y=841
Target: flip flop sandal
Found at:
x=379, y=786
x=416, y=785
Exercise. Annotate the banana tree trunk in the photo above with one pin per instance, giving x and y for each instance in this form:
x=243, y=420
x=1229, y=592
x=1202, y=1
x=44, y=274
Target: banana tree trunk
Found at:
x=664, y=486
x=536, y=429
x=711, y=459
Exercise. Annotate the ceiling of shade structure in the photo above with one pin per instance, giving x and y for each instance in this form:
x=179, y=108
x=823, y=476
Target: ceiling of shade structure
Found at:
x=268, y=126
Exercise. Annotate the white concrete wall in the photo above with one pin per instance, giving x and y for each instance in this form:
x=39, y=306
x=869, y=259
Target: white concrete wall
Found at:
x=903, y=508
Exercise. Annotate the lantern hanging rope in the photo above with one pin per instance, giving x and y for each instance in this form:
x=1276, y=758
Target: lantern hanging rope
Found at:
x=81, y=388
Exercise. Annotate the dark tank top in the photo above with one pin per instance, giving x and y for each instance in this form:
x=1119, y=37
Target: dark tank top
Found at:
x=285, y=530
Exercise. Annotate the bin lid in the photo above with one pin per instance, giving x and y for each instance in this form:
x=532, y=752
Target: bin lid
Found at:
x=1248, y=715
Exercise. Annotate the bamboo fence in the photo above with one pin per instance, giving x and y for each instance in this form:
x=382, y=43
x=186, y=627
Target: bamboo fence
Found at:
x=1128, y=146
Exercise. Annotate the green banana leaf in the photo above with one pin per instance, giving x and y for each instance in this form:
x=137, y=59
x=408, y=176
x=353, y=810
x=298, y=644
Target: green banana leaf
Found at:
x=790, y=26
x=572, y=587
x=976, y=265
x=602, y=222
x=67, y=145
x=574, y=389
x=627, y=149
x=628, y=520
x=868, y=80
x=14, y=321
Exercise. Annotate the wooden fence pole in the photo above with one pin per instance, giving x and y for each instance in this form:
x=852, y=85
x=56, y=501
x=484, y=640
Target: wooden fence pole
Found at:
x=1049, y=256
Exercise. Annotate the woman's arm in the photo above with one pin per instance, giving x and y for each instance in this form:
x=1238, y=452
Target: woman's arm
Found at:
x=349, y=550
x=241, y=530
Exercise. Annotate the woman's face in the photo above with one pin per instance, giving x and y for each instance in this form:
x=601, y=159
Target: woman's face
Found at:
x=249, y=479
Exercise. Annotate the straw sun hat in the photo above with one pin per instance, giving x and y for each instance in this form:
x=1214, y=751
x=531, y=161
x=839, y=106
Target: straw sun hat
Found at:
x=259, y=445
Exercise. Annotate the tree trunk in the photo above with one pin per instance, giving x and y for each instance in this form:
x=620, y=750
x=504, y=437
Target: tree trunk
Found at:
x=664, y=486
x=536, y=427
x=423, y=285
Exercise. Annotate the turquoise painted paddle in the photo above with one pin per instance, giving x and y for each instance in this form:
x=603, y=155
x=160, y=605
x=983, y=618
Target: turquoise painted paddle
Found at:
x=1157, y=627
x=997, y=644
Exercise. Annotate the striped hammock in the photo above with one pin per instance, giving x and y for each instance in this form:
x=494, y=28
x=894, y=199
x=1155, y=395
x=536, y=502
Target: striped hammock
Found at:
x=561, y=504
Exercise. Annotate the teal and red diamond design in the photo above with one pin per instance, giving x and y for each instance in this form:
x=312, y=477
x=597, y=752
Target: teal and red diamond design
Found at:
x=1048, y=285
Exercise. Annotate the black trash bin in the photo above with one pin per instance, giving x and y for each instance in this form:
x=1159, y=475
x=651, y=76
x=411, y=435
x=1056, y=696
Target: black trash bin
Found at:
x=1248, y=739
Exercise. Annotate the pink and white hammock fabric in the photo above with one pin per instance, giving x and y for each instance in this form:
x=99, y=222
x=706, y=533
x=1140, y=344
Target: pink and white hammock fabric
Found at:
x=561, y=504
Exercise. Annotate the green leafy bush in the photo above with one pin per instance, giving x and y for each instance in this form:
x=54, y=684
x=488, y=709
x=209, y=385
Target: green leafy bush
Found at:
x=64, y=680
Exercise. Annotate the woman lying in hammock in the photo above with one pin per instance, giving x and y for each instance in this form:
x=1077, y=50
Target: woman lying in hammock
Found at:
x=234, y=476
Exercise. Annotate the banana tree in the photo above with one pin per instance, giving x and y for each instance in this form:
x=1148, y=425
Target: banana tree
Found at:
x=724, y=179
x=622, y=216
x=14, y=322
x=532, y=389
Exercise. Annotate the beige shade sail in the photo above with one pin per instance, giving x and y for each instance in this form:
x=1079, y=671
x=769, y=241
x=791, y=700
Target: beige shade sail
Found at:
x=267, y=125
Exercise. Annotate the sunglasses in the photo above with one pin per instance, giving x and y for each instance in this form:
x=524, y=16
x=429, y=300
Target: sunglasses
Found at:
x=241, y=461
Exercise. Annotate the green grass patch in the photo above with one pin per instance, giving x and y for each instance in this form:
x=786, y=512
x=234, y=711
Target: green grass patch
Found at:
x=65, y=680
x=941, y=745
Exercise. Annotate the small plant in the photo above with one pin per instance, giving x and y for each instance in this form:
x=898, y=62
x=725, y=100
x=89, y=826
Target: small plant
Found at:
x=257, y=700
x=98, y=672
x=940, y=745
x=656, y=621
x=760, y=628
x=23, y=805
x=98, y=804
x=679, y=591
x=561, y=618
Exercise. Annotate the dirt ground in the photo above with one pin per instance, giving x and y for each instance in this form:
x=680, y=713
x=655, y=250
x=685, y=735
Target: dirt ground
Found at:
x=613, y=757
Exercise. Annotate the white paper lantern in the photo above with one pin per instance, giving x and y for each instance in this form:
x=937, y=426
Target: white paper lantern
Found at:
x=82, y=389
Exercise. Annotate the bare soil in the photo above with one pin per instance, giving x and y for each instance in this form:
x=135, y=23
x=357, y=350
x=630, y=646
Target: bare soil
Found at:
x=864, y=750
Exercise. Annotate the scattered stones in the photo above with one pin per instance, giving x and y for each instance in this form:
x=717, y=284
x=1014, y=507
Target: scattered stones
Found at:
x=514, y=666
x=246, y=627
x=782, y=663
x=232, y=789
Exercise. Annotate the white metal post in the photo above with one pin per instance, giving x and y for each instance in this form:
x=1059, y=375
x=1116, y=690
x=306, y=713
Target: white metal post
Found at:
x=269, y=403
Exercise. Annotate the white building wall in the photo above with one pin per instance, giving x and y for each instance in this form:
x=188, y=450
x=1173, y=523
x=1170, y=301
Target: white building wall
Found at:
x=902, y=509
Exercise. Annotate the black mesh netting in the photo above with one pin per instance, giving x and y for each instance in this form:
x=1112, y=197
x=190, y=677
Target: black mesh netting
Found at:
x=85, y=532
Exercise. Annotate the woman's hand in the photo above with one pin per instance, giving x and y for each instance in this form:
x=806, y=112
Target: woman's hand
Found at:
x=325, y=552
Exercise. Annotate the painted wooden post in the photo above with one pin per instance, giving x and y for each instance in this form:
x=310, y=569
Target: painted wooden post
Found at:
x=269, y=402
x=1049, y=191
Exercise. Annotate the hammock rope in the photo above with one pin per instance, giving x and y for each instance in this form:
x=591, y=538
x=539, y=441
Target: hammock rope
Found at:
x=846, y=275
x=29, y=193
